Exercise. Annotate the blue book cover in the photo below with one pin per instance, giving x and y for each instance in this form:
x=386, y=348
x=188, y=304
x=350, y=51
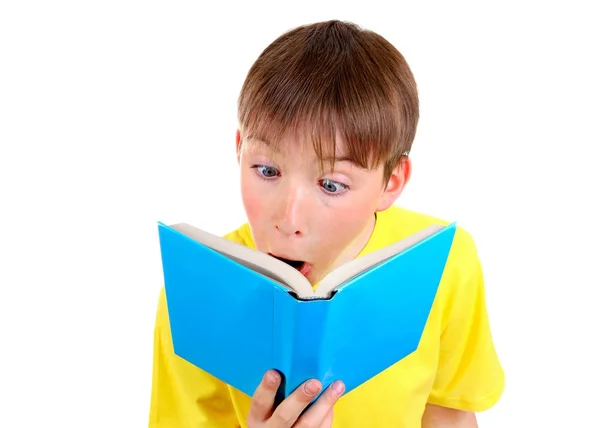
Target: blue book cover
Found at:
x=235, y=312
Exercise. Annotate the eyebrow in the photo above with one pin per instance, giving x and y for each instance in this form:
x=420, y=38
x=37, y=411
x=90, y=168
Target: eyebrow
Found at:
x=262, y=141
x=335, y=159
x=338, y=159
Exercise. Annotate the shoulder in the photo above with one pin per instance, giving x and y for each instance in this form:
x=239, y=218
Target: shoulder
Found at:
x=241, y=235
x=463, y=269
x=397, y=223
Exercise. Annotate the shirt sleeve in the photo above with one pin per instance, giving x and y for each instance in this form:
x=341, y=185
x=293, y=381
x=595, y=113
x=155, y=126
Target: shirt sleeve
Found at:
x=182, y=395
x=469, y=376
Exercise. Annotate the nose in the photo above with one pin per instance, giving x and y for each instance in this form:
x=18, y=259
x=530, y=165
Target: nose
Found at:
x=291, y=218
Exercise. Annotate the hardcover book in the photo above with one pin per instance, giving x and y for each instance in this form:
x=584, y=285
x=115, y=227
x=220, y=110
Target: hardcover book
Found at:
x=236, y=312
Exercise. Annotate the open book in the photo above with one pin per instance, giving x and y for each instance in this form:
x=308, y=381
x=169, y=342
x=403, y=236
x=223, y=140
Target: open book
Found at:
x=236, y=312
x=290, y=277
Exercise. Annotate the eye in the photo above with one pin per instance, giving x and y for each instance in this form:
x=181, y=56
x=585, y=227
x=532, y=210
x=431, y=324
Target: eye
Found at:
x=266, y=171
x=333, y=187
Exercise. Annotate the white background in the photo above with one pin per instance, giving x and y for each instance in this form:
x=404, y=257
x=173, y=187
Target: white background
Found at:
x=117, y=114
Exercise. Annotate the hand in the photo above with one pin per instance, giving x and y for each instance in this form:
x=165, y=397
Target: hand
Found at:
x=287, y=414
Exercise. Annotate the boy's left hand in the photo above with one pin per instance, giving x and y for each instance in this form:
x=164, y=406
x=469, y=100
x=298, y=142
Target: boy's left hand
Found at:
x=289, y=413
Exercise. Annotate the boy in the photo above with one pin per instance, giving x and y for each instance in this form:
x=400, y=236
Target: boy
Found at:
x=327, y=117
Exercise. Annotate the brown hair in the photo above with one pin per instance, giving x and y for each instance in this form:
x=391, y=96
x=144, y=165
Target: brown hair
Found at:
x=327, y=76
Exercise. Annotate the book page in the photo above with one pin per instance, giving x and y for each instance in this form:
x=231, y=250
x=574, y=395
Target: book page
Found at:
x=259, y=262
x=355, y=267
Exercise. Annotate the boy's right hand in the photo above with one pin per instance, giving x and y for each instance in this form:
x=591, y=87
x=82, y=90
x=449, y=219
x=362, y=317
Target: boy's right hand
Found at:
x=287, y=414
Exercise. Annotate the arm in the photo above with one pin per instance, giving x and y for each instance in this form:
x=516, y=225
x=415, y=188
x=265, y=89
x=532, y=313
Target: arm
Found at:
x=182, y=395
x=444, y=417
x=469, y=376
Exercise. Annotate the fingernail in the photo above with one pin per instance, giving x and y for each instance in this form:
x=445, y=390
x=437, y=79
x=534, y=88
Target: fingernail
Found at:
x=338, y=387
x=311, y=387
x=271, y=378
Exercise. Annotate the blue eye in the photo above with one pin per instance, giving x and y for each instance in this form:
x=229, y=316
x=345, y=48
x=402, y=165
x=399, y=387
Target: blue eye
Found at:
x=266, y=171
x=333, y=187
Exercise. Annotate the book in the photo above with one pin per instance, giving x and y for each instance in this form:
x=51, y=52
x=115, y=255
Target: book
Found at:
x=235, y=312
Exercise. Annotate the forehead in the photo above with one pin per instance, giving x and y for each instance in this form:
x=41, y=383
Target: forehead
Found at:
x=291, y=144
x=318, y=141
x=302, y=153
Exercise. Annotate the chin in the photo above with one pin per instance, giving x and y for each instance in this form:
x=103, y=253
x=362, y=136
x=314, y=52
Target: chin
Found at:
x=316, y=275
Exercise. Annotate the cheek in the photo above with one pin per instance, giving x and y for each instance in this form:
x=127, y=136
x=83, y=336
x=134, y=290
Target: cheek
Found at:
x=342, y=224
x=251, y=199
x=257, y=201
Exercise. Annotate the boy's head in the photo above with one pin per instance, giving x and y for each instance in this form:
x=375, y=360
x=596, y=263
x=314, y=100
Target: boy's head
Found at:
x=327, y=116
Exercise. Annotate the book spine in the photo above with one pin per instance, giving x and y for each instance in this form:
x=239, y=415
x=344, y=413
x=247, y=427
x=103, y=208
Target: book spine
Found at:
x=299, y=327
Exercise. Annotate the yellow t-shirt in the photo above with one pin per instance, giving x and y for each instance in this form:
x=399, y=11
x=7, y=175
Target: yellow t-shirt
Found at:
x=455, y=365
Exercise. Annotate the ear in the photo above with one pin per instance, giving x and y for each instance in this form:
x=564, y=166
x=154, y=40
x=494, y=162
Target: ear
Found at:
x=396, y=184
x=238, y=139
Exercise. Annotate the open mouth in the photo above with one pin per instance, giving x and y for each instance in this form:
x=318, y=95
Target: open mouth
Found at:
x=302, y=267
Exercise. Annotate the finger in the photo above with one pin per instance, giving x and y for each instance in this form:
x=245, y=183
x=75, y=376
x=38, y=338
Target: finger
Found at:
x=328, y=421
x=261, y=405
x=289, y=410
x=322, y=409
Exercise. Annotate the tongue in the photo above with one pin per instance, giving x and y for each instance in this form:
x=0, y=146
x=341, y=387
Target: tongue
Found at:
x=302, y=267
x=305, y=269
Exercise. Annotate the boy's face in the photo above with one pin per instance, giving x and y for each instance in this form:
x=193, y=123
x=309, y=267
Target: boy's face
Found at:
x=299, y=213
